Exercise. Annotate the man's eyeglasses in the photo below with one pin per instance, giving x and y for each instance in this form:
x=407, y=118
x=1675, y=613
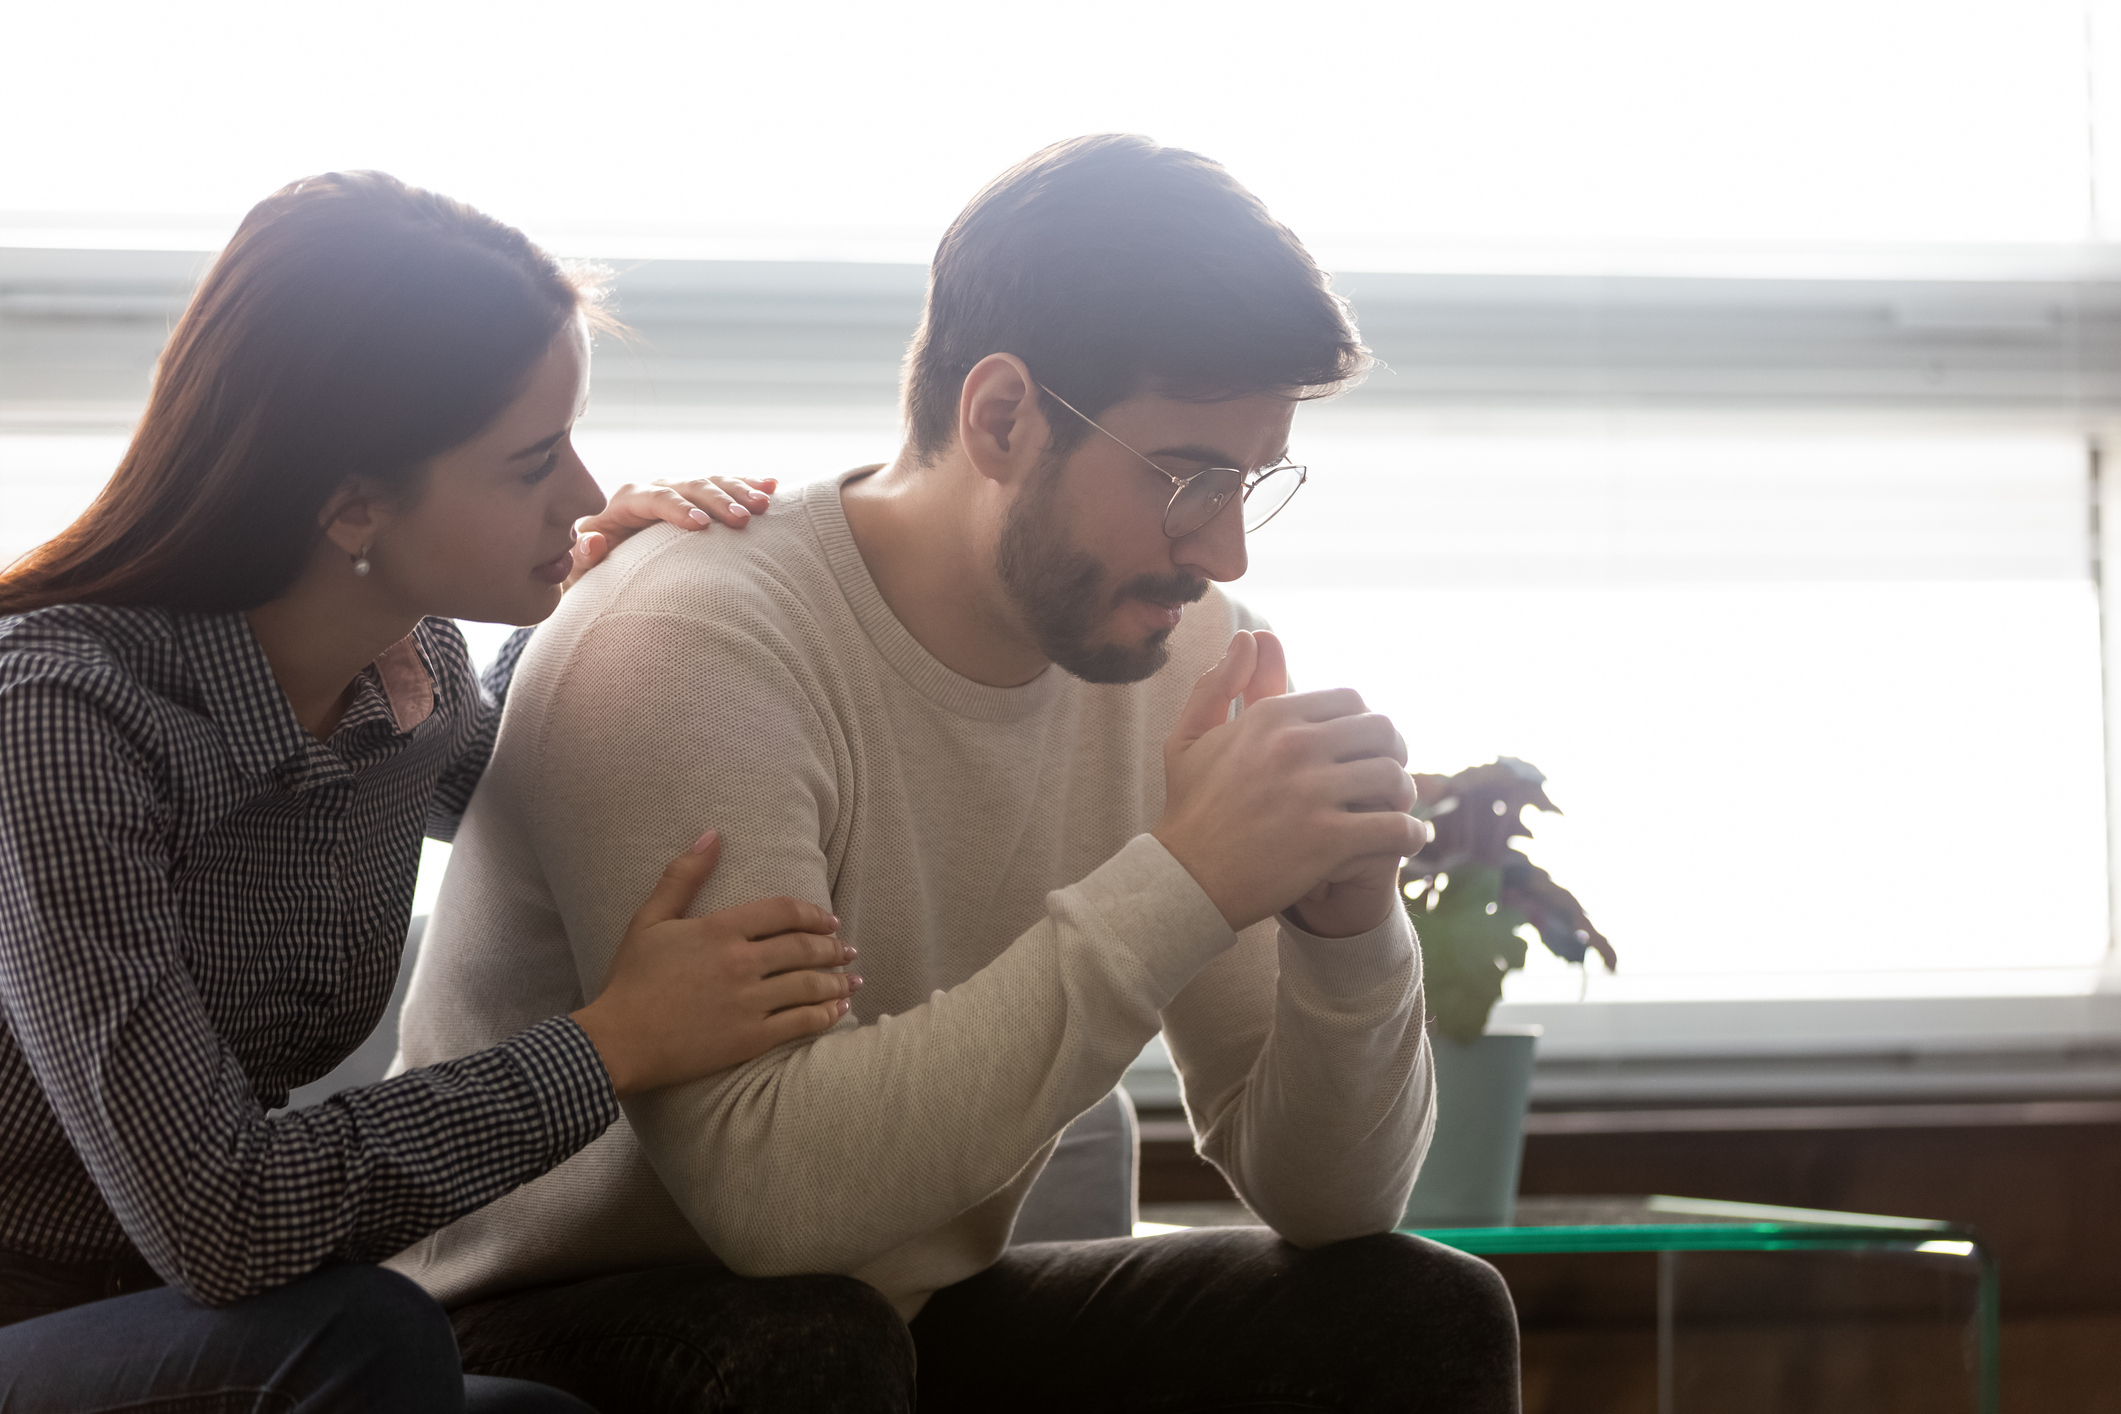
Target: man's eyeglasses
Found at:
x=1200, y=498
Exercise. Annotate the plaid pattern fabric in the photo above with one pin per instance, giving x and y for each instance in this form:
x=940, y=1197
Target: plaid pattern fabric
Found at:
x=202, y=907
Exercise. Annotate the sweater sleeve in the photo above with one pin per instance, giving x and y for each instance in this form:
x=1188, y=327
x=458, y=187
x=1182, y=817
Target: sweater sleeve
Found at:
x=222, y=1199
x=826, y=1154
x=1308, y=1076
x=1307, y=1071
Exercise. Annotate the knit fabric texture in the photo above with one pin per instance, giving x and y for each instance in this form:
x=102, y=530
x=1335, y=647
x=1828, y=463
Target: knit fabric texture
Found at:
x=1021, y=934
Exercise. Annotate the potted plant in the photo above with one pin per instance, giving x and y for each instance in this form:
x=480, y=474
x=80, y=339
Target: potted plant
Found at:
x=1476, y=903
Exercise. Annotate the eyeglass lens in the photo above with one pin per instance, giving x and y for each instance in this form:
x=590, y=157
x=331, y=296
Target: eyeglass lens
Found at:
x=1269, y=494
x=1201, y=499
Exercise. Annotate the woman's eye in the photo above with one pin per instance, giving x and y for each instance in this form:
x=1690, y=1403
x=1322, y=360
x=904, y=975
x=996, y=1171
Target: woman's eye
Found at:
x=545, y=468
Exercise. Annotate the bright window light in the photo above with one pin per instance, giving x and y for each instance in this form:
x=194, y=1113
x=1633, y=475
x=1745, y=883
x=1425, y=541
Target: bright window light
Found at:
x=1397, y=135
x=1823, y=710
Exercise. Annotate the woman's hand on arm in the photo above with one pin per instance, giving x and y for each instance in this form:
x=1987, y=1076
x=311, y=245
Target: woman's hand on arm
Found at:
x=688, y=505
x=685, y=997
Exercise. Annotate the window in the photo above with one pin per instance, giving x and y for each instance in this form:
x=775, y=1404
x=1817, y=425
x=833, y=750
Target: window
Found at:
x=1733, y=461
x=1824, y=709
x=1394, y=136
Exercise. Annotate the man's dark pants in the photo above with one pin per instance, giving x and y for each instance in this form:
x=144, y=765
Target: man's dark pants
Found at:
x=1216, y=1319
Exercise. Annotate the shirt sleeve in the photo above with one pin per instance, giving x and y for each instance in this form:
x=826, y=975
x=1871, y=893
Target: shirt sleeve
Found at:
x=222, y=1199
x=453, y=791
x=822, y=1156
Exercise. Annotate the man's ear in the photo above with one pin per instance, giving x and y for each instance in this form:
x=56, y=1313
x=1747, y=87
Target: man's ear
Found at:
x=355, y=515
x=1001, y=422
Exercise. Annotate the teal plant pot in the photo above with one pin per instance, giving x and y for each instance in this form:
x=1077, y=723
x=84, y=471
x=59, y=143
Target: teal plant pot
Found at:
x=1470, y=1176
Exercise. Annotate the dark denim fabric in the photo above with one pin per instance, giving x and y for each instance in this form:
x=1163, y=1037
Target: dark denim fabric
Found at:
x=345, y=1340
x=1222, y=1319
x=698, y=1339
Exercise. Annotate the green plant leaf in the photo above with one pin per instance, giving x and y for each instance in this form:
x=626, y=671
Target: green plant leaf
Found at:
x=1474, y=815
x=1469, y=942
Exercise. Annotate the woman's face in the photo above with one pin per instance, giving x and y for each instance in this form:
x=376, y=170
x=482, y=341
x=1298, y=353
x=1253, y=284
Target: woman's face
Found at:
x=489, y=535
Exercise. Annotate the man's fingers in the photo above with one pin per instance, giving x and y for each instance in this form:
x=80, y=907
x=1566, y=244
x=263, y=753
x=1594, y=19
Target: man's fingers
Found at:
x=1270, y=674
x=1357, y=738
x=1374, y=783
x=1321, y=706
x=1366, y=736
x=1209, y=705
x=1382, y=832
x=1359, y=834
x=680, y=884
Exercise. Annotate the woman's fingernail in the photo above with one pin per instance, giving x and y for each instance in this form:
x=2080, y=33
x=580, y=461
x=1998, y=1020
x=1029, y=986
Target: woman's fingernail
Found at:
x=850, y=950
x=843, y=1006
x=854, y=984
x=700, y=517
x=699, y=846
x=738, y=510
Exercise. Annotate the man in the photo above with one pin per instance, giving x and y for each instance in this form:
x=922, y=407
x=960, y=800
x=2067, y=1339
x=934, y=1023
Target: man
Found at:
x=980, y=703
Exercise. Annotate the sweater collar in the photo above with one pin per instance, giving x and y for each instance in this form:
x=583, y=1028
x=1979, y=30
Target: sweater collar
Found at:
x=922, y=671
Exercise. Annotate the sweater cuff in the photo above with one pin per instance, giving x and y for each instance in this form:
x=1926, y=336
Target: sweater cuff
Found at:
x=1346, y=969
x=1145, y=899
x=567, y=1083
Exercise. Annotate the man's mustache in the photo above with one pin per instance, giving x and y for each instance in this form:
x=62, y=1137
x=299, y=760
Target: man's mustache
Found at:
x=1162, y=589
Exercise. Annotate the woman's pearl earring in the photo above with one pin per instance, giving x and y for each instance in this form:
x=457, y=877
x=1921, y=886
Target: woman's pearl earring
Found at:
x=360, y=561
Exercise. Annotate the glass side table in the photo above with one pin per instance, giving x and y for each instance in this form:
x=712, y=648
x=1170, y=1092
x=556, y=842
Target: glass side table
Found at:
x=1803, y=1282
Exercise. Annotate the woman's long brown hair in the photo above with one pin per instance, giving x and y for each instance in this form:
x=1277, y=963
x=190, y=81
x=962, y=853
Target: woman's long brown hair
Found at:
x=355, y=326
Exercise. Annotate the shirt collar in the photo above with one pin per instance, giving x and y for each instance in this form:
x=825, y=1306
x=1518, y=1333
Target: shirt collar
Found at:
x=239, y=692
x=408, y=683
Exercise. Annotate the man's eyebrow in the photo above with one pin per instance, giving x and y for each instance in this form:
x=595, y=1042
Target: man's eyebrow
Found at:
x=1208, y=456
x=539, y=447
x=1194, y=452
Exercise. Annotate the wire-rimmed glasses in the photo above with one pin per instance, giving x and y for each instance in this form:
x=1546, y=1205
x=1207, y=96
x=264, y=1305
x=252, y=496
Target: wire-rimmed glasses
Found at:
x=1200, y=498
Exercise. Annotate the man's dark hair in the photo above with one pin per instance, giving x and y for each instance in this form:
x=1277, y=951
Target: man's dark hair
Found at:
x=1113, y=267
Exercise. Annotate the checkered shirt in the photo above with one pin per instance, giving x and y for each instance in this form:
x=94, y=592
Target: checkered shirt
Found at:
x=202, y=907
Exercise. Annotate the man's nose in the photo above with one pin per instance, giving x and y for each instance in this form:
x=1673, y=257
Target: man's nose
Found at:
x=1217, y=549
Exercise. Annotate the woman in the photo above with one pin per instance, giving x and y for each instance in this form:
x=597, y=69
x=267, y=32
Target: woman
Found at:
x=231, y=700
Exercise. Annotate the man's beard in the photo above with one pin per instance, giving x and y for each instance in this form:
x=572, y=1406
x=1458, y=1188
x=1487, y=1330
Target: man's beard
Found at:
x=1061, y=592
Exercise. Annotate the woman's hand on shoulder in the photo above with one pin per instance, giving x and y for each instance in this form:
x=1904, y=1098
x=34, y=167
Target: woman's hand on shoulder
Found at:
x=688, y=996
x=688, y=505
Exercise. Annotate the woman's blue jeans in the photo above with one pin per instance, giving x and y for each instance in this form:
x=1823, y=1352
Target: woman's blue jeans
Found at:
x=344, y=1340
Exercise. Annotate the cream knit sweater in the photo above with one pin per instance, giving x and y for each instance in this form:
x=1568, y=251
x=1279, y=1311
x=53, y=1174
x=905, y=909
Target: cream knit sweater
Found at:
x=1022, y=936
